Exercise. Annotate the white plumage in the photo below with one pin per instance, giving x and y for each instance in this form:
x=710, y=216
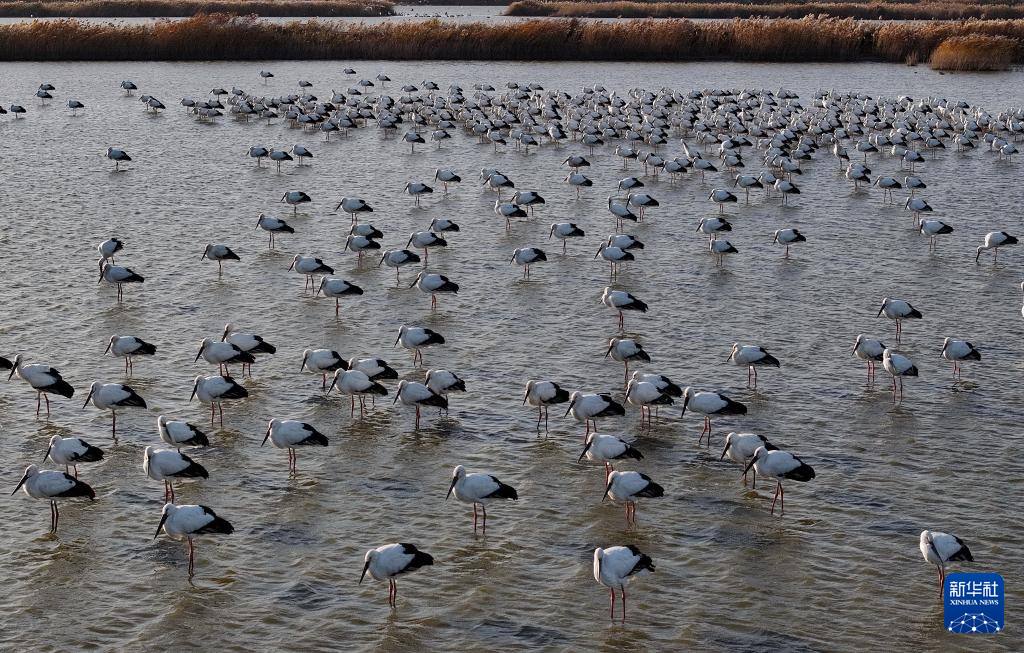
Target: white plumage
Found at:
x=111, y=396
x=993, y=241
x=71, y=451
x=616, y=566
x=416, y=338
x=630, y=487
x=337, y=288
x=478, y=489
x=432, y=284
x=780, y=465
x=588, y=408
x=740, y=448
x=386, y=562
x=713, y=226
x=604, y=448
x=869, y=350
x=308, y=266
x=289, y=434
x=188, y=521
x=955, y=351
x=620, y=300
x=53, y=486
x=356, y=384
x=898, y=366
x=411, y=393
x=178, y=432
x=127, y=347
x=527, y=256
x=167, y=465
x=397, y=258
x=44, y=380
x=940, y=548
x=543, y=394
x=751, y=357
x=322, y=361
x=708, y=404
x=273, y=226
x=117, y=275
x=214, y=390
x=899, y=310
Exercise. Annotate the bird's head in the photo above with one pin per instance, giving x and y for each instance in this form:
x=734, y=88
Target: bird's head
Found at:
x=30, y=471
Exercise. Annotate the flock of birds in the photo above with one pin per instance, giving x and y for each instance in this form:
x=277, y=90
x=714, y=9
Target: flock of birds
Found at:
x=728, y=131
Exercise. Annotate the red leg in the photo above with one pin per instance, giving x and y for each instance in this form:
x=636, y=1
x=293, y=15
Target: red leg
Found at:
x=611, y=594
x=484, y=509
x=474, y=517
x=776, y=497
x=418, y=425
x=47, y=400
x=623, y=604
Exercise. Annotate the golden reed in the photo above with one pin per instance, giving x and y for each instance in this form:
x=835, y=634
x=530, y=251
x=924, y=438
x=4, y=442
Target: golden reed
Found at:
x=176, y=8
x=873, y=10
x=223, y=37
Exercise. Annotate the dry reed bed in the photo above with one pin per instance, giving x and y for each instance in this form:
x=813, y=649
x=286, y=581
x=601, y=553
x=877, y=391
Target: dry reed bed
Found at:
x=177, y=8
x=221, y=37
x=974, y=53
x=704, y=9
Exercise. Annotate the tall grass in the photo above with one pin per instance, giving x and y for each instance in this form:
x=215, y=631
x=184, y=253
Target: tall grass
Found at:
x=872, y=10
x=974, y=52
x=222, y=37
x=175, y=8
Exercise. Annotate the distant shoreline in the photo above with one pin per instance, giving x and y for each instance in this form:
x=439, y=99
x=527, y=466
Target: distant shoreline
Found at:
x=185, y=8
x=219, y=37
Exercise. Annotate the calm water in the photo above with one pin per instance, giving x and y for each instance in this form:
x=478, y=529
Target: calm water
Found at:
x=842, y=568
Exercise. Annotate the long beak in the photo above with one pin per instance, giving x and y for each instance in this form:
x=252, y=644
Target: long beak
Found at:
x=450, y=488
x=606, y=491
x=87, y=398
x=571, y=404
x=395, y=400
x=396, y=341
x=334, y=382
x=303, y=362
x=46, y=455
x=880, y=310
x=599, y=249
x=268, y=434
x=775, y=238
x=200, y=353
x=686, y=402
x=203, y=256
x=365, y=567
x=193, y=395
x=585, y=450
x=414, y=282
x=224, y=336
x=698, y=228
x=109, y=344
x=25, y=478
x=101, y=275
x=380, y=261
x=163, y=518
x=749, y=465
x=727, y=445
x=525, y=397
x=512, y=259
x=291, y=266
x=13, y=370
x=609, y=351
x=552, y=232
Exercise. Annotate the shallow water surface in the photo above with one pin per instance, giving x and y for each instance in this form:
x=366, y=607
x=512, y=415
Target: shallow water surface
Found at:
x=840, y=570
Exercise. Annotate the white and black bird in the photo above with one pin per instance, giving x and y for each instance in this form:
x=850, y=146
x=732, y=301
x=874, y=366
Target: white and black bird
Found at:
x=479, y=489
x=787, y=237
x=955, y=351
x=179, y=433
x=322, y=361
x=386, y=562
x=289, y=434
x=719, y=247
x=215, y=390
x=188, y=521
x=219, y=253
x=355, y=383
x=624, y=350
x=740, y=448
x=108, y=248
x=222, y=353
x=336, y=288
x=619, y=301
x=527, y=256
x=113, y=396
x=589, y=407
x=630, y=487
x=117, y=275
x=416, y=338
x=993, y=241
x=644, y=395
x=780, y=465
x=899, y=310
x=169, y=465
x=308, y=266
x=933, y=229
x=433, y=284
x=442, y=225
x=564, y=231
x=941, y=548
x=508, y=210
x=398, y=258
x=446, y=176
x=425, y=240
x=615, y=257
x=616, y=566
x=869, y=350
x=713, y=226
x=71, y=451
x=604, y=448
x=411, y=393
x=53, y=486
x=898, y=366
x=751, y=357
x=44, y=379
x=721, y=197
x=249, y=343
x=295, y=197
x=353, y=206
x=376, y=369
x=273, y=226
x=417, y=190
x=118, y=156
x=128, y=347
x=541, y=393
x=709, y=404
x=444, y=382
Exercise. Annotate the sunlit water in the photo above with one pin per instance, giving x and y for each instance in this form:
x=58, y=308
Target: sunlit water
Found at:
x=840, y=569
